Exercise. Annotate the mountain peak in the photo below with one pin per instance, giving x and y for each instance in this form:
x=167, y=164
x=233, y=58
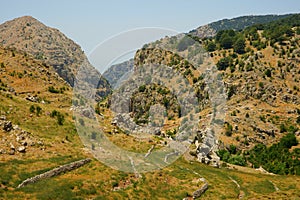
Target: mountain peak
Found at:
x=44, y=43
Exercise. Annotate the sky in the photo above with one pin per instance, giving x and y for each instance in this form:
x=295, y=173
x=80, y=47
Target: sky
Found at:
x=91, y=22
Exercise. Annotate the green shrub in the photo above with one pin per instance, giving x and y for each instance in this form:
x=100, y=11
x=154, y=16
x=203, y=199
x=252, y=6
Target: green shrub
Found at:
x=32, y=109
x=53, y=90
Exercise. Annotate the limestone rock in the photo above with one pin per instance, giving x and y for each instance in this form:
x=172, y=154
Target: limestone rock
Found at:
x=21, y=149
x=7, y=126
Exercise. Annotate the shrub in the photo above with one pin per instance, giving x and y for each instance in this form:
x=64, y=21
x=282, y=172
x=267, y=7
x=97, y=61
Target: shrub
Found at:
x=268, y=73
x=94, y=135
x=81, y=122
x=239, y=46
x=60, y=119
x=223, y=63
x=38, y=110
x=228, y=130
x=52, y=89
x=211, y=46
x=288, y=141
x=142, y=88
x=32, y=109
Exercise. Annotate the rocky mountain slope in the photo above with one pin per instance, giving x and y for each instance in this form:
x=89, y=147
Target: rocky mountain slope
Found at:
x=38, y=132
x=260, y=70
x=50, y=46
x=117, y=71
x=238, y=23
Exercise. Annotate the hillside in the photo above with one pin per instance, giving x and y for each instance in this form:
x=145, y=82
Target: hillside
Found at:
x=238, y=23
x=38, y=125
x=260, y=70
x=48, y=45
x=117, y=71
x=50, y=142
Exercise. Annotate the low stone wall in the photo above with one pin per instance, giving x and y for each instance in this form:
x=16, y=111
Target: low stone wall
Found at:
x=200, y=191
x=55, y=172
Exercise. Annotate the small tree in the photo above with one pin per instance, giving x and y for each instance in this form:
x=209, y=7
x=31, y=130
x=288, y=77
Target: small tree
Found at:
x=268, y=73
x=32, y=109
x=226, y=42
x=239, y=46
x=38, y=110
x=94, y=135
x=211, y=46
x=60, y=119
x=223, y=63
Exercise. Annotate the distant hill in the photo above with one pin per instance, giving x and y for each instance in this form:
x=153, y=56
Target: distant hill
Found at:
x=48, y=45
x=115, y=72
x=238, y=23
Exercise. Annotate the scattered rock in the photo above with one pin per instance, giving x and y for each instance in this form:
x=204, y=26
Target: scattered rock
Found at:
x=7, y=126
x=11, y=152
x=21, y=149
x=3, y=117
x=32, y=98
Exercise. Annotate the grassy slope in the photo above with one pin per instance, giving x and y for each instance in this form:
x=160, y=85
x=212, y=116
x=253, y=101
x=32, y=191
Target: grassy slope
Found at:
x=96, y=180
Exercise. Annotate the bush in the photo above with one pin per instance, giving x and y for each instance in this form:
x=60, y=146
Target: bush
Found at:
x=211, y=46
x=81, y=122
x=53, y=90
x=60, y=119
x=228, y=130
x=237, y=160
x=94, y=135
x=239, y=46
x=288, y=141
x=53, y=113
x=268, y=73
x=223, y=63
x=142, y=88
x=32, y=109
x=226, y=42
x=277, y=158
x=38, y=110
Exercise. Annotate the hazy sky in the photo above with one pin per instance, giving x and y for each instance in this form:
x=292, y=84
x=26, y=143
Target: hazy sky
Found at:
x=91, y=22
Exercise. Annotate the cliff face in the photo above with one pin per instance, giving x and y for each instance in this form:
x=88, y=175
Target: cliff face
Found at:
x=48, y=45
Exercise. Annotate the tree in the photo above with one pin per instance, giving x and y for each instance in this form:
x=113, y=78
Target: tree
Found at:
x=239, y=46
x=223, y=63
x=288, y=141
x=38, y=110
x=211, y=46
x=226, y=42
x=268, y=73
x=32, y=109
x=60, y=119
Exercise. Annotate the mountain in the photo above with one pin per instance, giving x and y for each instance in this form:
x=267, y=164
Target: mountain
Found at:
x=38, y=128
x=238, y=23
x=259, y=67
x=48, y=45
x=117, y=71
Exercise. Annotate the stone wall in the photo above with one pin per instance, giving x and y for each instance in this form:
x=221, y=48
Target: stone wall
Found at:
x=55, y=172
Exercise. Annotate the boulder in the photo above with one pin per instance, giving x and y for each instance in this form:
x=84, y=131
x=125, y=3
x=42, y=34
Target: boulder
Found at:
x=3, y=117
x=22, y=149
